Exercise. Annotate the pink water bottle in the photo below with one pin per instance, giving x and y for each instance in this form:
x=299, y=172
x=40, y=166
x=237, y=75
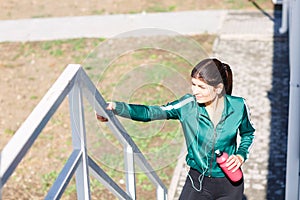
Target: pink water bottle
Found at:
x=221, y=160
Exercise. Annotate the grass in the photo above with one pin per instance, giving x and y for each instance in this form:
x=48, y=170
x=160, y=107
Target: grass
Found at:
x=153, y=6
x=48, y=179
x=154, y=139
x=42, y=9
x=160, y=8
x=9, y=131
x=33, y=97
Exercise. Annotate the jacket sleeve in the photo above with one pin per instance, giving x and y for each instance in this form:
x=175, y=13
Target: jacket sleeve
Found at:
x=145, y=113
x=246, y=130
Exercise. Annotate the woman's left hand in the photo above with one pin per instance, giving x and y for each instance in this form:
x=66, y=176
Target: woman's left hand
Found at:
x=234, y=162
x=110, y=106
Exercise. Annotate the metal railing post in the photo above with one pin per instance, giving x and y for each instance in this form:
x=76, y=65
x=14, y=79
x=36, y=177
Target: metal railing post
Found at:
x=79, y=141
x=161, y=194
x=66, y=174
x=129, y=171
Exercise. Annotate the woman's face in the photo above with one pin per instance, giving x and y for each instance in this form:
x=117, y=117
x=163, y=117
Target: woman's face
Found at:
x=203, y=92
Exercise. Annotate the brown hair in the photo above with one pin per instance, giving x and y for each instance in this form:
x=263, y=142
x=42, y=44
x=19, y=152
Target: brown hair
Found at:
x=213, y=72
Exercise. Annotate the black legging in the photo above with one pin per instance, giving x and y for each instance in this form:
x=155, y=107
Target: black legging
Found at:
x=212, y=188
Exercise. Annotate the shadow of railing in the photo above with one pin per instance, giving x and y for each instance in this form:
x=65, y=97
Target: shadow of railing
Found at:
x=279, y=99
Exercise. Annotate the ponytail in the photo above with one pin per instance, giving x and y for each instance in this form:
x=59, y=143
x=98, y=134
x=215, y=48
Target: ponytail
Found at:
x=228, y=81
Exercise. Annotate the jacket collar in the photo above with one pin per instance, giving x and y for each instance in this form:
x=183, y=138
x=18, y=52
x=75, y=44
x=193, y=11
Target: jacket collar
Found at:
x=228, y=108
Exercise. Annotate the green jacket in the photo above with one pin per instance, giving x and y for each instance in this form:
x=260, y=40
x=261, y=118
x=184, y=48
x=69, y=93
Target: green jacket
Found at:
x=202, y=138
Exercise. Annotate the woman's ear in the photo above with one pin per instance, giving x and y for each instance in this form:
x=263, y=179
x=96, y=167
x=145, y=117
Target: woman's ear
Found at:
x=219, y=88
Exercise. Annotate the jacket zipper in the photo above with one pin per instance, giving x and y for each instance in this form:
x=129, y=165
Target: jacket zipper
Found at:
x=212, y=152
x=214, y=141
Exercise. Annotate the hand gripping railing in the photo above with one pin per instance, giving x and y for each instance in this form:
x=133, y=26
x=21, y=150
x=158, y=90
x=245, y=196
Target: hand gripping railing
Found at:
x=75, y=82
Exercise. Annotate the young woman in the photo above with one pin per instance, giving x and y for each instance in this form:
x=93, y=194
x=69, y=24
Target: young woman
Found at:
x=211, y=119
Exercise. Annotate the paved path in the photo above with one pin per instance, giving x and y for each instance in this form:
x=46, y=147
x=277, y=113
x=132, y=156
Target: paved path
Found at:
x=257, y=54
x=107, y=26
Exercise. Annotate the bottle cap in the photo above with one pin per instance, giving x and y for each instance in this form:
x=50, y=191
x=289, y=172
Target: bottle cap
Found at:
x=218, y=153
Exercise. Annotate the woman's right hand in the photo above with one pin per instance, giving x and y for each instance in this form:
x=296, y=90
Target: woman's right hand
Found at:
x=110, y=106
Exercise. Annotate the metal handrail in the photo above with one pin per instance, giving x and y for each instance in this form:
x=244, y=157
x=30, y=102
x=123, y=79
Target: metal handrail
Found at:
x=75, y=83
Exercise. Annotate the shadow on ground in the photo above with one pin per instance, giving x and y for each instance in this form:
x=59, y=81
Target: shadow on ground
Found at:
x=279, y=98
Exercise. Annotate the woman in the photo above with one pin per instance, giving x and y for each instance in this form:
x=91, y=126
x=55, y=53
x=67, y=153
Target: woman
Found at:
x=211, y=119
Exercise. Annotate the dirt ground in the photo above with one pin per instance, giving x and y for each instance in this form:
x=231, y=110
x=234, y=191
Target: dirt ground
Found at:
x=14, y=9
x=28, y=70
